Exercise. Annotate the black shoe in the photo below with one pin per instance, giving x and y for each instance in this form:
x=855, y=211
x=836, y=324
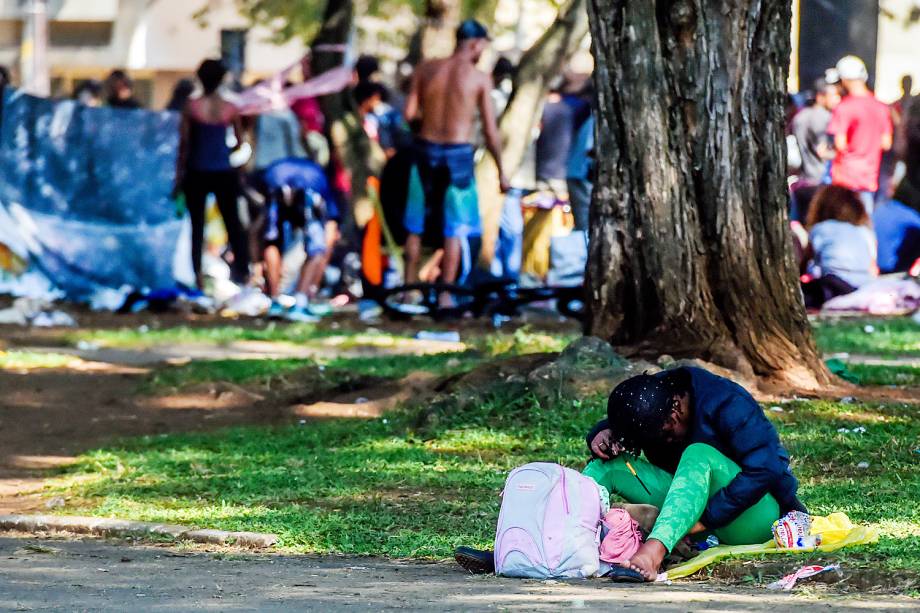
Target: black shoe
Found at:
x=621, y=574
x=475, y=561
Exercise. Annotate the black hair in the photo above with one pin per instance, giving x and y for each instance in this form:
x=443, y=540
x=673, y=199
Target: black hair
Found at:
x=366, y=90
x=90, y=86
x=119, y=76
x=211, y=73
x=366, y=66
x=639, y=407
x=503, y=69
x=4, y=76
x=180, y=94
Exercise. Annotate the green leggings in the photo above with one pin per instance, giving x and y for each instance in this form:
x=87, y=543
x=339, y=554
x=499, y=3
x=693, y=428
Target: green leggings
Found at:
x=701, y=472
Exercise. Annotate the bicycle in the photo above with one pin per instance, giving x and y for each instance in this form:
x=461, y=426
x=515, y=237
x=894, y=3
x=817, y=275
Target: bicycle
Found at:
x=490, y=298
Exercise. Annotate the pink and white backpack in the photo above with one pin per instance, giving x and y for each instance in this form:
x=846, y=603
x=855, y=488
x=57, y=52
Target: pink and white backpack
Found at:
x=550, y=523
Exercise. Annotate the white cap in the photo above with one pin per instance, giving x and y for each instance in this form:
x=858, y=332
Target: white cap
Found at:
x=831, y=76
x=851, y=68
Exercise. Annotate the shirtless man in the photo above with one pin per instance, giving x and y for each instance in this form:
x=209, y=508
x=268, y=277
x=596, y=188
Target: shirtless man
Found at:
x=445, y=96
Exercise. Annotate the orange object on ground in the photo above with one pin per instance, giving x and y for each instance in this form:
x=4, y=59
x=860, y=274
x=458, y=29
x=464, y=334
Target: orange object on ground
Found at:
x=372, y=244
x=372, y=252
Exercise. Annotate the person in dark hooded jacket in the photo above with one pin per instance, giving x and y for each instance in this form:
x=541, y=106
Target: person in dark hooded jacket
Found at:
x=714, y=461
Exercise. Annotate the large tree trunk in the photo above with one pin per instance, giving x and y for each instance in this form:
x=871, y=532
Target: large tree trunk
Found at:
x=435, y=36
x=438, y=35
x=347, y=139
x=538, y=67
x=690, y=252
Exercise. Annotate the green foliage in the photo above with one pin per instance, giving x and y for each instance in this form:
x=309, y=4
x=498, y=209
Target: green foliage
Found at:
x=290, y=19
x=286, y=19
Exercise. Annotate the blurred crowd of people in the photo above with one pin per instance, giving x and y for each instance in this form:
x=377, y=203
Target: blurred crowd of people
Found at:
x=279, y=182
x=282, y=187
x=854, y=182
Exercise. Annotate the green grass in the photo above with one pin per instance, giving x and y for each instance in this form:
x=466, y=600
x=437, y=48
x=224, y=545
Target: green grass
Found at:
x=28, y=360
x=521, y=341
x=222, y=335
x=488, y=342
x=898, y=337
x=872, y=374
x=335, y=370
x=383, y=487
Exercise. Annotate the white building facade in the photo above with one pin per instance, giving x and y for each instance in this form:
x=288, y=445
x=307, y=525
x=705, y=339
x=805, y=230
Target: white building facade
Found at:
x=156, y=41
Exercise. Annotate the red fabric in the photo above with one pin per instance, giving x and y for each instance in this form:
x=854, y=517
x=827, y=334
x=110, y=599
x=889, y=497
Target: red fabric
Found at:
x=309, y=113
x=865, y=121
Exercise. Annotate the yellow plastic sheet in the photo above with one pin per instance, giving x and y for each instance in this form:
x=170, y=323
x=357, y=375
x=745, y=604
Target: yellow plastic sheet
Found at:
x=836, y=531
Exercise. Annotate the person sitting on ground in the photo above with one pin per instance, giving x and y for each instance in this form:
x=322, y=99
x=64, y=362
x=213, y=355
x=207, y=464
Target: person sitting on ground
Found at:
x=297, y=193
x=897, y=228
x=713, y=463
x=841, y=246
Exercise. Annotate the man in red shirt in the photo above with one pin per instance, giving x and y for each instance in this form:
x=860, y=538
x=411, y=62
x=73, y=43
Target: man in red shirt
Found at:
x=861, y=128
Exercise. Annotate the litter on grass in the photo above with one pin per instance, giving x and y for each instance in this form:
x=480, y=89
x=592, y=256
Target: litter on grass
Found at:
x=856, y=430
x=445, y=336
x=836, y=531
x=789, y=581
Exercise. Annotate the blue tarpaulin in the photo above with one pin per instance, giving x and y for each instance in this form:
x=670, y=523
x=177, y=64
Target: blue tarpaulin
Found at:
x=84, y=192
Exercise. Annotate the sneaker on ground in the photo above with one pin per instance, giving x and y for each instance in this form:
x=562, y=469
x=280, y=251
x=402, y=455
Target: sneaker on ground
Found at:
x=319, y=309
x=276, y=311
x=301, y=315
x=475, y=561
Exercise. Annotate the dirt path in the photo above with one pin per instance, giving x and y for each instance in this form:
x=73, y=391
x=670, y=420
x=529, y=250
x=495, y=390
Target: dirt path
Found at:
x=100, y=576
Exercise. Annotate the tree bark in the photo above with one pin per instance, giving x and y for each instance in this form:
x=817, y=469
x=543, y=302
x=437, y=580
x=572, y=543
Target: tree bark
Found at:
x=538, y=67
x=347, y=138
x=438, y=35
x=690, y=252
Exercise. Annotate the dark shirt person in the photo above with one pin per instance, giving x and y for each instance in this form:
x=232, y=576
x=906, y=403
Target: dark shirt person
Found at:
x=715, y=463
x=809, y=126
x=203, y=167
x=444, y=98
x=181, y=93
x=121, y=91
x=910, y=154
x=557, y=128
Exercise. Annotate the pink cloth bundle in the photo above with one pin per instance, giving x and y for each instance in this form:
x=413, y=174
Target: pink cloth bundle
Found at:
x=623, y=537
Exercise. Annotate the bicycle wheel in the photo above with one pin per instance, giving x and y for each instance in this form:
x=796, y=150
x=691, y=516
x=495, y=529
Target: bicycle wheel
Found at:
x=407, y=301
x=570, y=301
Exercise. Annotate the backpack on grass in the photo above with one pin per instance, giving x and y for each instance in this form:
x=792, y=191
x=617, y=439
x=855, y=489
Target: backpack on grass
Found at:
x=549, y=525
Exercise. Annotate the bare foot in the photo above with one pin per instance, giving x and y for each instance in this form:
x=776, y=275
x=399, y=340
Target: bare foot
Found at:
x=647, y=561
